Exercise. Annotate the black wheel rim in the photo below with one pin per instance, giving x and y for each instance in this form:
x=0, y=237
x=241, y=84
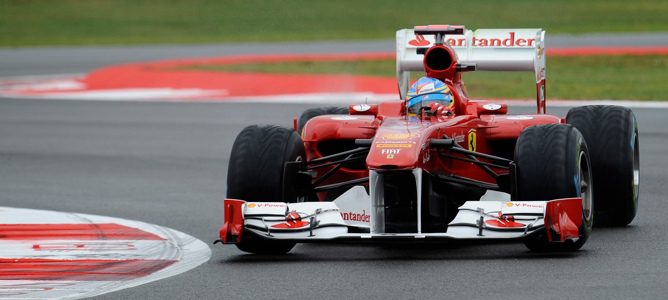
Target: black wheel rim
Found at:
x=586, y=188
x=636, y=167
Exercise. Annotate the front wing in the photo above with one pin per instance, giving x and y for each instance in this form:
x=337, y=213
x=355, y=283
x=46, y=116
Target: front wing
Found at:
x=304, y=222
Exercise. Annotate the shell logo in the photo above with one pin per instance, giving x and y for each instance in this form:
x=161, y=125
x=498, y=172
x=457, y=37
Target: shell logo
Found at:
x=509, y=204
x=252, y=205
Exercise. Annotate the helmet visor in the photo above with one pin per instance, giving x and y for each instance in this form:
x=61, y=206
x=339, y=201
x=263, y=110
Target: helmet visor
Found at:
x=415, y=104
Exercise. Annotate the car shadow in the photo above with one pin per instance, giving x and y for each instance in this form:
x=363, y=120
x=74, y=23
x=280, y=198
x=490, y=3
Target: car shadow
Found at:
x=400, y=252
x=333, y=252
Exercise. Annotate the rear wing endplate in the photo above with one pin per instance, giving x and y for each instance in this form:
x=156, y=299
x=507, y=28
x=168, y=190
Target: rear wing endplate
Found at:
x=488, y=49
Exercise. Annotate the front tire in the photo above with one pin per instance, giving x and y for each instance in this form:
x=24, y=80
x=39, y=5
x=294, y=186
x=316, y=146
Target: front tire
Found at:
x=552, y=163
x=611, y=133
x=256, y=173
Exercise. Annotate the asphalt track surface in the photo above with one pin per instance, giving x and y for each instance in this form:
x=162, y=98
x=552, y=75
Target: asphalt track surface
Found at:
x=166, y=163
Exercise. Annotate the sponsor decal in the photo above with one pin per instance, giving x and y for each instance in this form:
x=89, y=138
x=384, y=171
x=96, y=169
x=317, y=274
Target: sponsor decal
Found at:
x=508, y=41
x=459, y=139
x=390, y=152
x=351, y=216
x=361, y=107
x=398, y=136
x=419, y=40
x=504, y=223
x=472, y=140
x=265, y=205
x=491, y=106
x=344, y=118
x=292, y=220
x=522, y=204
x=397, y=142
x=391, y=145
x=519, y=118
x=406, y=126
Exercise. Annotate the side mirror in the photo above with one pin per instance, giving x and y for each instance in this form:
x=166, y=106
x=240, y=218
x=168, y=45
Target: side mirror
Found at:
x=363, y=109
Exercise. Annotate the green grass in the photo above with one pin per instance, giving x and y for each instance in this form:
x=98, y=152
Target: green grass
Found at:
x=65, y=22
x=593, y=77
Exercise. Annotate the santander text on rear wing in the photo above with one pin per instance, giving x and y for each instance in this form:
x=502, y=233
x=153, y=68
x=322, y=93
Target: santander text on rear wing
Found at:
x=488, y=49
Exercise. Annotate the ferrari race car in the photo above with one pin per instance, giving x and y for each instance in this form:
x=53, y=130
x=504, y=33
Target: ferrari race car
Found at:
x=409, y=171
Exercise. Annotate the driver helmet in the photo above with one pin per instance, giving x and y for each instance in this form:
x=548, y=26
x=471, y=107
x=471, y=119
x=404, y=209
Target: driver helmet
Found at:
x=426, y=91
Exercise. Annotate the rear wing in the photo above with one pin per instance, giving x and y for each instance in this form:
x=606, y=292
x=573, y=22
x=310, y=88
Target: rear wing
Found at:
x=488, y=49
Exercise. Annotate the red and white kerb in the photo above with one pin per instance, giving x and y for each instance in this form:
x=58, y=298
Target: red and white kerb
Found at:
x=46, y=254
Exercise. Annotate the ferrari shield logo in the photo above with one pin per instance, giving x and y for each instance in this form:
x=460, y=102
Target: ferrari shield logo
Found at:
x=472, y=142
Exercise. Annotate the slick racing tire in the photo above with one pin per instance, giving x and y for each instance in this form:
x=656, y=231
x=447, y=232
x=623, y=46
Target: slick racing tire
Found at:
x=319, y=111
x=611, y=133
x=255, y=173
x=548, y=159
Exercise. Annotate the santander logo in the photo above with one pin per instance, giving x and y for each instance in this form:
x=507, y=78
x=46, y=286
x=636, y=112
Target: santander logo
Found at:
x=419, y=41
x=359, y=217
x=506, y=40
x=504, y=223
x=292, y=220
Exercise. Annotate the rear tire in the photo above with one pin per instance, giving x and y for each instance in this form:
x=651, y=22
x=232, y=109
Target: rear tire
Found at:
x=548, y=159
x=256, y=168
x=319, y=111
x=611, y=133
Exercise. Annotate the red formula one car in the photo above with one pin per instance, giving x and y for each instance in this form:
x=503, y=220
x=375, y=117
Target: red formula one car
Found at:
x=447, y=168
